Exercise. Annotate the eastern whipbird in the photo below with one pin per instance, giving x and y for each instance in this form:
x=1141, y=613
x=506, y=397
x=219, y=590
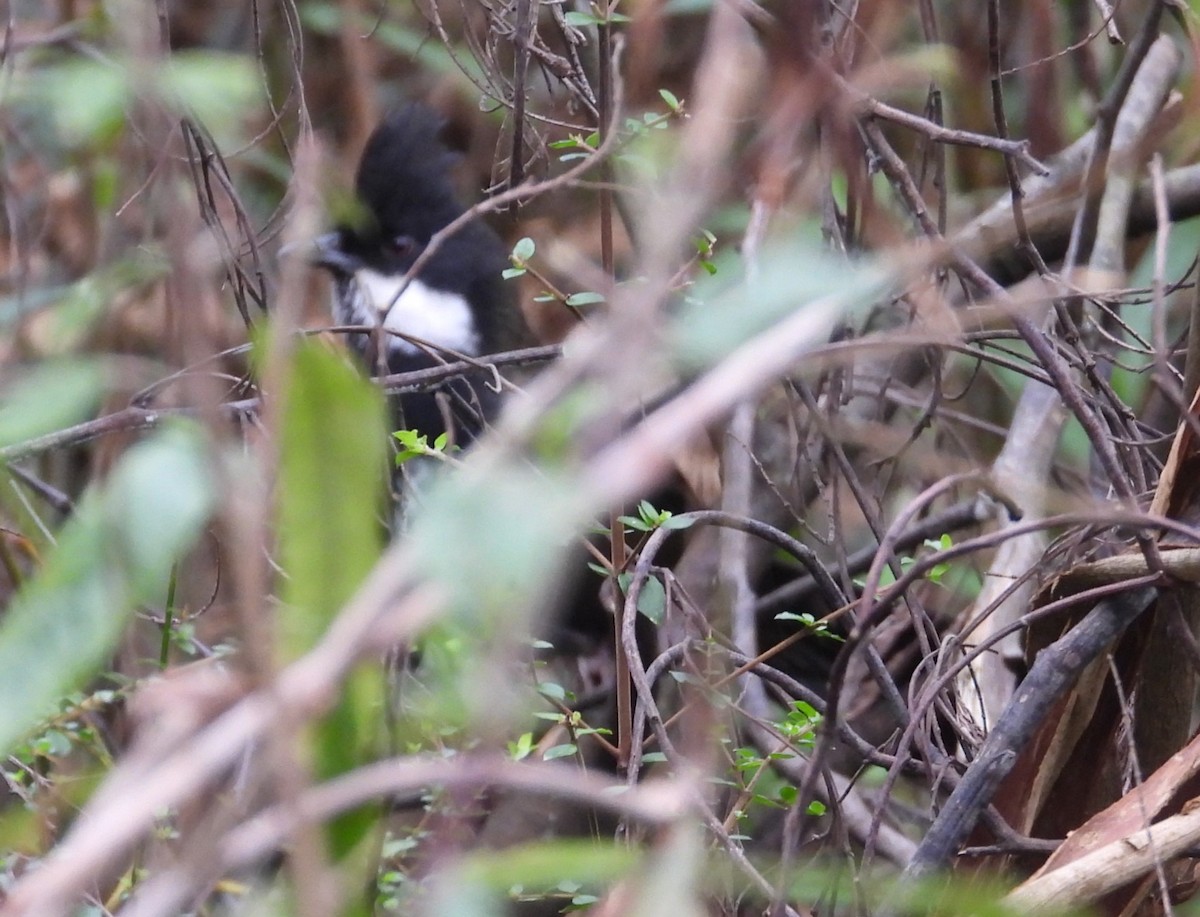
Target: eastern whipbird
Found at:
x=456, y=304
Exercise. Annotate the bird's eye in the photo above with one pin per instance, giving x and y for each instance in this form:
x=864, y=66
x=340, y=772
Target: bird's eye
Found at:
x=402, y=245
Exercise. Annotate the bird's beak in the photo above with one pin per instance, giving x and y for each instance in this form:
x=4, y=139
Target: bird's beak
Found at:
x=326, y=252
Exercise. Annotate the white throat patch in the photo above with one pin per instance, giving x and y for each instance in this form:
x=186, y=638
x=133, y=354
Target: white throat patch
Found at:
x=442, y=319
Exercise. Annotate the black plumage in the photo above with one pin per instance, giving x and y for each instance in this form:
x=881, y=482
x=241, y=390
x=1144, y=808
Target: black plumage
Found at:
x=458, y=301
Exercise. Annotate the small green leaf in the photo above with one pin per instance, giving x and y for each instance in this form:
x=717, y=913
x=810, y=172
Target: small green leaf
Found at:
x=579, y=20
x=677, y=522
x=634, y=523
x=511, y=273
x=584, y=299
x=521, y=748
x=652, y=600
x=560, y=751
x=523, y=250
x=669, y=97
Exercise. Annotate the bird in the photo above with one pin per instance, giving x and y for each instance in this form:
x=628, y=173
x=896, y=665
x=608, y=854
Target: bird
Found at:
x=457, y=303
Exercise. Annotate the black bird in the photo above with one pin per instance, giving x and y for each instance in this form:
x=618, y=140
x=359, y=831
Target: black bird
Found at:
x=458, y=303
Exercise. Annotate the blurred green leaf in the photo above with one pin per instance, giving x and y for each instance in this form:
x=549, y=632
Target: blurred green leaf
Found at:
x=75, y=308
x=49, y=397
x=412, y=41
x=115, y=552
x=559, y=751
x=727, y=309
x=89, y=99
x=545, y=865
x=219, y=89
x=332, y=469
x=86, y=98
x=155, y=501
x=578, y=19
x=507, y=530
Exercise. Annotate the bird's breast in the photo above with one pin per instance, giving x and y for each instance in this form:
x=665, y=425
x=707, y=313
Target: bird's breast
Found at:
x=438, y=317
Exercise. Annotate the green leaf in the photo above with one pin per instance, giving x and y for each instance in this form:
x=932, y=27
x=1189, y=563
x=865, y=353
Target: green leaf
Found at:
x=560, y=751
x=116, y=552
x=331, y=481
x=398, y=34
x=580, y=20
x=797, y=283
x=544, y=864
x=584, y=299
x=510, y=273
x=86, y=98
x=523, y=250
x=412, y=445
x=74, y=309
x=331, y=488
x=51, y=396
x=220, y=89
x=670, y=98
x=634, y=523
x=652, y=600
x=154, y=504
x=677, y=522
x=520, y=749
x=508, y=530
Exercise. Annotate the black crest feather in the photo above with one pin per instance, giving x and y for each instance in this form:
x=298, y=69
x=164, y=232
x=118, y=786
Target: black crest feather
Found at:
x=404, y=175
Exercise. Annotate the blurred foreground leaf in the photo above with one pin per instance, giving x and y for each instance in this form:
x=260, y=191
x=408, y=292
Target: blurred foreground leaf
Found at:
x=90, y=99
x=49, y=397
x=331, y=476
x=727, y=309
x=115, y=553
